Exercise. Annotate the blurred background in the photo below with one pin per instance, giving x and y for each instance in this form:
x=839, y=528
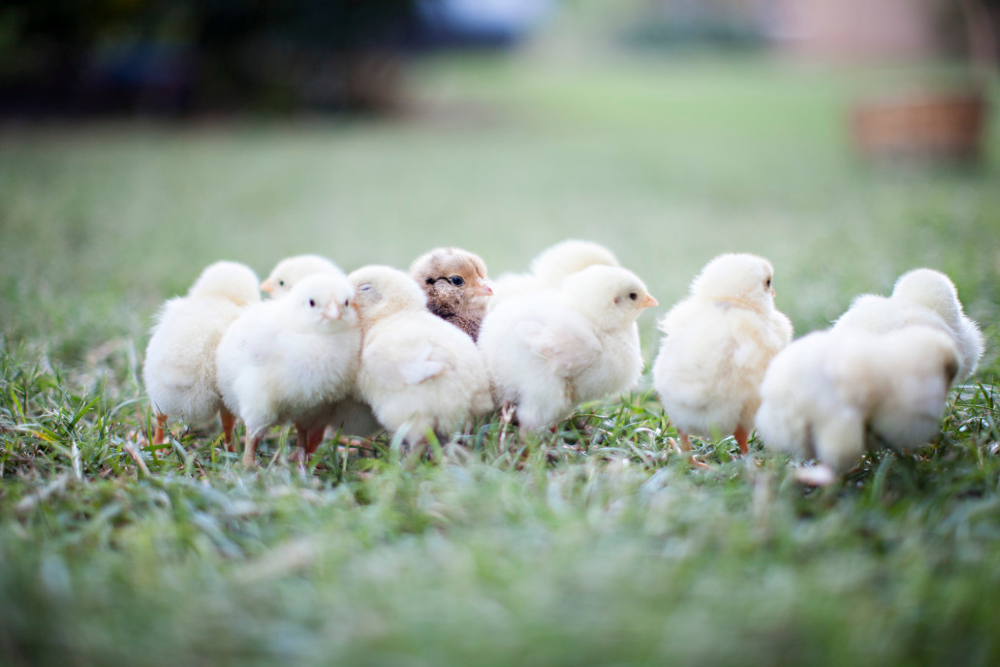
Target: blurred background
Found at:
x=184, y=58
x=846, y=140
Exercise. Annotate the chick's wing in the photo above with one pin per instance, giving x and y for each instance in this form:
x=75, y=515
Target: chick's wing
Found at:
x=567, y=347
x=409, y=364
x=425, y=362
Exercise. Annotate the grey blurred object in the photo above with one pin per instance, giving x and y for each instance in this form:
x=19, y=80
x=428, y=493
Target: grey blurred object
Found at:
x=479, y=23
x=671, y=24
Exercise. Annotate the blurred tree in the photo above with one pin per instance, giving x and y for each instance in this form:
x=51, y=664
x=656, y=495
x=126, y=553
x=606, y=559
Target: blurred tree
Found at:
x=160, y=56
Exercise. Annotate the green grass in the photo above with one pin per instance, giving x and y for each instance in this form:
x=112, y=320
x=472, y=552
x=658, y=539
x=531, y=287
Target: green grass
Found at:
x=612, y=551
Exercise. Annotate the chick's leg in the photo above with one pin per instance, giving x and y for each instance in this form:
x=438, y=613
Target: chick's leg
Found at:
x=314, y=438
x=301, y=444
x=348, y=441
x=250, y=447
x=159, y=435
x=506, y=419
x=228, y=423
x=507, y=413
x=685, y=448
x=741, y=439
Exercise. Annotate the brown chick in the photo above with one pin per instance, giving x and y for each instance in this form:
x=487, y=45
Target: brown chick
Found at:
x=454, y=281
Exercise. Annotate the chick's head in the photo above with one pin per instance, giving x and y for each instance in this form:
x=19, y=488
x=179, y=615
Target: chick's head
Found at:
x=382, y=291
x=453, y=279
x=932, y=289
x=321, y=302
x=610, y=296
x=229, y=280
x=289, y=272
x=564, y=259
x=741, y=277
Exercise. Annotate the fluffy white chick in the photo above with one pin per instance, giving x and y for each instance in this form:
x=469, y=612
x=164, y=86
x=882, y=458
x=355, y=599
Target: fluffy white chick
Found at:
x=290, y=271
x=551, y=267
x=179, y=372
x=920, y=297
x=350, y=416
x=716, y=346
x=827, y=392
x=290, y=360
x=549, y=351
x=418, y=372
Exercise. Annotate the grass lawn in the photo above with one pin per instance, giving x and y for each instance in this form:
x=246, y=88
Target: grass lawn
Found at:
x=615, y=554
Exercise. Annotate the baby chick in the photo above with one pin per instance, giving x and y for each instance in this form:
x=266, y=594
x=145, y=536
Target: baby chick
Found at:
x=717, y=344
x=290, y=271
x=417, y=371
x=290, y=360
x=826, y=391
x=455, y=284
x=552, y=266
x=179, y=372
x=549, y=351
x=350, y=416
x=921, y=296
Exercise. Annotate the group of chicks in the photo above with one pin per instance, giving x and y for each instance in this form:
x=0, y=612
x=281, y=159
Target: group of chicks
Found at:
x=880, y=375
x=429, y=351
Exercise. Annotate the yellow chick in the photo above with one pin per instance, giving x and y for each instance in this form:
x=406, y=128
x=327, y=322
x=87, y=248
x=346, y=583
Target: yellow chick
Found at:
x=550, y=351
x=551, y=267
x=826, y=392
x=716, y=346
x=417, y=372
x=455, y=284
x=350, y=416
x=290, y=271
x=291, y=360
x=924, y=297
x=179, y=372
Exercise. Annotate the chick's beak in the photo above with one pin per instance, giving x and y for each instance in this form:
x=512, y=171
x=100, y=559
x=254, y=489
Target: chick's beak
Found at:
x=773, y=293
x=267, y=286
x=482, y=289
x=332, y=311
x=650, y=302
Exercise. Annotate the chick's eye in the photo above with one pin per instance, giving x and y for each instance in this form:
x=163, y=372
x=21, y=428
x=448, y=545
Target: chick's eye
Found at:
x=768, y=283
x=633, y=296
x=281, y=283
x=345, y=302
x=312, y=303
x=457, y=281
x=365, y=287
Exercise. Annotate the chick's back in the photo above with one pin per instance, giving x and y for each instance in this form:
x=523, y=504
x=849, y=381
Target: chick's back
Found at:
x=179, y=371
x=827, y=391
